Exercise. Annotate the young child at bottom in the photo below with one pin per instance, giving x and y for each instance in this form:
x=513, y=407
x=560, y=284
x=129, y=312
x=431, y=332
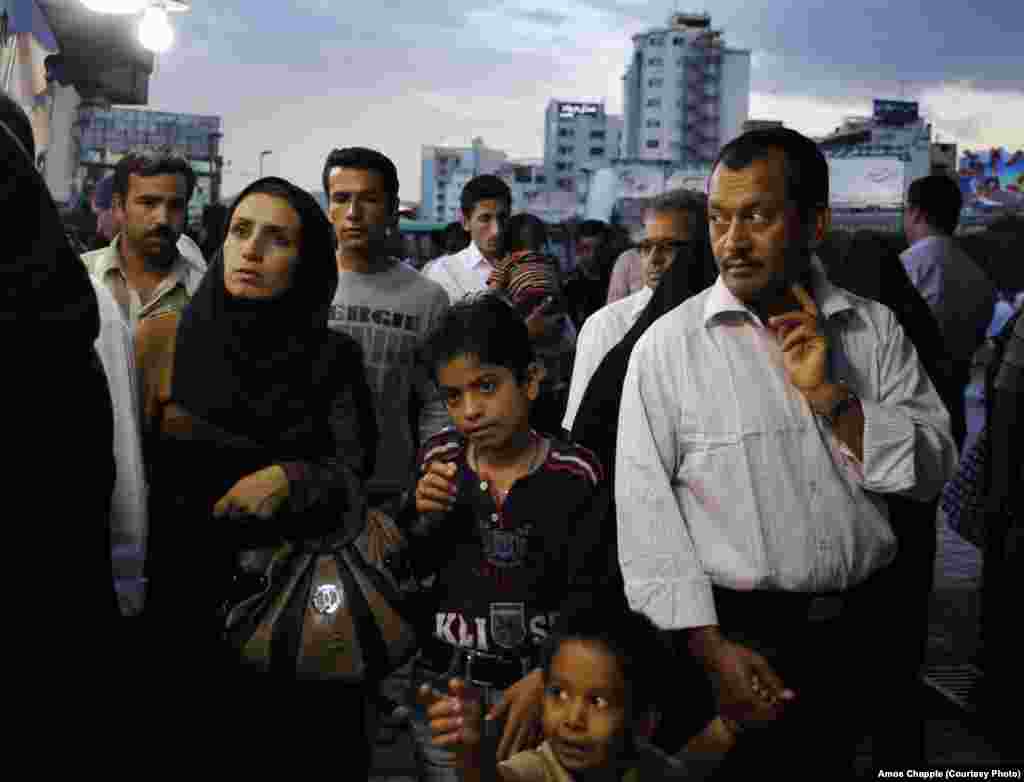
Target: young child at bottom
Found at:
x=601, y=673
x=507, y=521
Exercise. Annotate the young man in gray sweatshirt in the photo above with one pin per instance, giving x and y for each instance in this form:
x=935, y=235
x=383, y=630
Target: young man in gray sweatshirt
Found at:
x=388, y=308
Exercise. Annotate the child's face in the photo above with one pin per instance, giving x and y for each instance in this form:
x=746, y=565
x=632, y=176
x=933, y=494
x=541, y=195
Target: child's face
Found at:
x=487, y=403
x=585, y=710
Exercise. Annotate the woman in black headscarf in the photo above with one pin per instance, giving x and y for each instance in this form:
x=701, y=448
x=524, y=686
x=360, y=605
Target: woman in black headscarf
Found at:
x=690, y=705
x=59, y=469
x=258, y=419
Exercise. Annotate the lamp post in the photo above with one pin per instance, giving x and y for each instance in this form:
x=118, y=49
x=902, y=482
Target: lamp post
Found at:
x=263, y=154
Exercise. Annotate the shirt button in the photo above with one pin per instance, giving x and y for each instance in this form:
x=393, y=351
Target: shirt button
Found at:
x=483, y=485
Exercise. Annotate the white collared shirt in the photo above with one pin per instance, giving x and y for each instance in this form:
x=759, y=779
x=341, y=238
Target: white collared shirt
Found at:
x=460, y=274
x=600, y=333
x=174, y=290
x=128, y=514
x=724, y=475
x=959, y=293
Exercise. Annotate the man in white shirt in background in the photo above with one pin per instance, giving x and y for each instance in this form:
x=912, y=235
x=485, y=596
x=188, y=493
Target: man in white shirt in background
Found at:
x=762, y=423
x=960, y=294
x=144, y=267
x=486, y=203
x=669, y=225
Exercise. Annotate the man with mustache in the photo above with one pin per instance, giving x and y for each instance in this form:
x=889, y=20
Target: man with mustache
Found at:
x=763, y=423
x=143, y=266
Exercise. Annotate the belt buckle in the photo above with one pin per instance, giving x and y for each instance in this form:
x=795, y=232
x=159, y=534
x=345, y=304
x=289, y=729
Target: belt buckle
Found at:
x=471, y=657
x=825, y=607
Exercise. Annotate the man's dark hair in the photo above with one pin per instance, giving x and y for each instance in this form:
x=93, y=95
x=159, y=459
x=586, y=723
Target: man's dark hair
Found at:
x=152, y=164
x=363, y=159
x=454, y=238
x=631, y=637
x=939, y=199
x=485, y=187
x=17, y=121
x=590, y=228
x=524, y=232
x=693, y=203
x=484, y=326
x=806, y=170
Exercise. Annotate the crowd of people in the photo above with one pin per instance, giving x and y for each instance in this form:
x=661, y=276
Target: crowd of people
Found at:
x=669, y=513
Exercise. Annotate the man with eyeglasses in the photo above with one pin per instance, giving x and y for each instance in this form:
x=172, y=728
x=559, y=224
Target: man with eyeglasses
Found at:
x=669, y=222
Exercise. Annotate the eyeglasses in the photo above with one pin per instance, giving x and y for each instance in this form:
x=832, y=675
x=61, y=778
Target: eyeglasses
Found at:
x=670, y=247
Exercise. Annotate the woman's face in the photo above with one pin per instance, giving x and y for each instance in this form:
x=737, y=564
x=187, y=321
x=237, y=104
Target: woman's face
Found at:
x=261, y=247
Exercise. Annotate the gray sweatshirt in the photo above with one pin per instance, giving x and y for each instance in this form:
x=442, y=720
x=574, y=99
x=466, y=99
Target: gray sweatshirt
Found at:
x=389, y=312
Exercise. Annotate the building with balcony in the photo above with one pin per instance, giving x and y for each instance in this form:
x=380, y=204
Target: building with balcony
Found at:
x=685, y=93
x=105, y=135
x=446, y=170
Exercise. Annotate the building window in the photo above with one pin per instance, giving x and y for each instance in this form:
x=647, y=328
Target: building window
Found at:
x=566, y=132
x=655, y=82
x=597, y=135
x=597, y=151
x=565, y=150
x=677, y=41
x=653, y=103
x=540, y=179
x=565, y=184
x=653, y=143
x=560, y=166
x=655, y=62
x=654, y=123
x=655, y=40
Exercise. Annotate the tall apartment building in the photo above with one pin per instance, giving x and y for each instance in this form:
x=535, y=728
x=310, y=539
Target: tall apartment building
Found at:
x=579, y=139
x=446, y=170
x=685, y=94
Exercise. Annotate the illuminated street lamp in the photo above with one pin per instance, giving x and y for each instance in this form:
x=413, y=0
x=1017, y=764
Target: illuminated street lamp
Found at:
x=115, y=6
x=155, y=31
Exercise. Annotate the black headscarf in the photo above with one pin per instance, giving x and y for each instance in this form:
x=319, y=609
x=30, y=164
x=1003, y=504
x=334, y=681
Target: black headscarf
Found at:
x=44, y=286
x=260, y=369
x=596, y=423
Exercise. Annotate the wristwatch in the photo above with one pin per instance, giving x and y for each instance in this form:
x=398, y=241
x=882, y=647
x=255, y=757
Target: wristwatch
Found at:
x=840, y=406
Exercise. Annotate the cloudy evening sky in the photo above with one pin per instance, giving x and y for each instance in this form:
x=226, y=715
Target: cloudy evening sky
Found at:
x=301, y=77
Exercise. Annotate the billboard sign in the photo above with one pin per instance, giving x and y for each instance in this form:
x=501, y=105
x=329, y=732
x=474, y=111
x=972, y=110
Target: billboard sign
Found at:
x=573, y=110
x=992, y=178
x=895, y=112
x=866, y=183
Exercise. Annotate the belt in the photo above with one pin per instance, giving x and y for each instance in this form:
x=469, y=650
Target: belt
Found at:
x=483, y=669
x=778, y=606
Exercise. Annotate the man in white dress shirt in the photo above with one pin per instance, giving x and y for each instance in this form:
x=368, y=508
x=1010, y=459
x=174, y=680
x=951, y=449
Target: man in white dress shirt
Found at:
x=762, y=423
x=960, y=294
x=486, y=203
x=669, y=228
